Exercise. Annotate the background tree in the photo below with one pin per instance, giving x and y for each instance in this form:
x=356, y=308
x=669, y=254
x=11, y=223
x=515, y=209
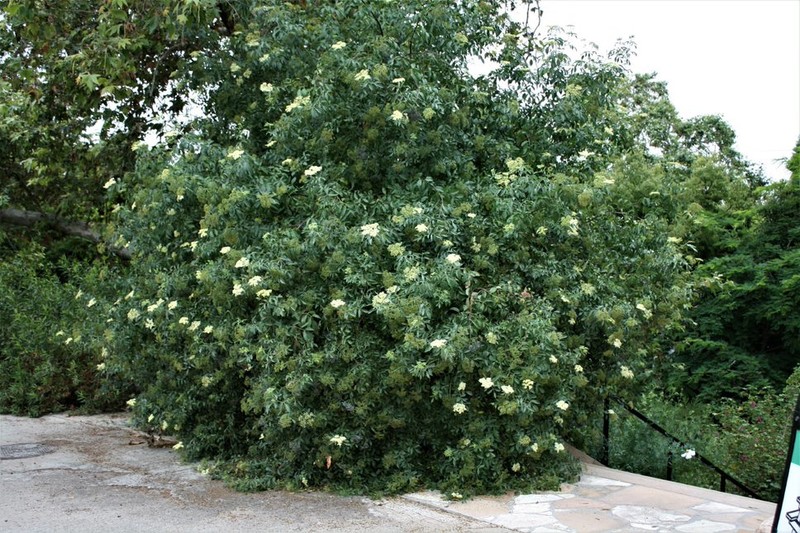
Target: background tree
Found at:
x=745, y=331
x=82, y=83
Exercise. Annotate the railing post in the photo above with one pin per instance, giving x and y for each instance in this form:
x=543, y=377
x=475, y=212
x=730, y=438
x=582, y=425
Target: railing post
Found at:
x=722, y=480
x=606, y=421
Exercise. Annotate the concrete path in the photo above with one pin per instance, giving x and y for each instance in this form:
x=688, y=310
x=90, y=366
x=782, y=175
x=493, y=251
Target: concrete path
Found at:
x=95, y=480
x=92, y=478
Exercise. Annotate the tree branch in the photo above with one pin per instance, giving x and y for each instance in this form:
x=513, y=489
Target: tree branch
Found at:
x=18, y=217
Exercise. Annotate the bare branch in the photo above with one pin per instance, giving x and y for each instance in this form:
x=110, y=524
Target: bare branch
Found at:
x=536, y=9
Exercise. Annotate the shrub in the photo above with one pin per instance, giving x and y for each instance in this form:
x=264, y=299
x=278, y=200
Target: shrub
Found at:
x=49, y=350
x=747, y=439
x=636, y=447
x=359, y=272
x=754, y=435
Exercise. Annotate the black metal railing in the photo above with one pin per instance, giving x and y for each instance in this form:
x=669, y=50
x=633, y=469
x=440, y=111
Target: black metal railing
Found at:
x=604, y=456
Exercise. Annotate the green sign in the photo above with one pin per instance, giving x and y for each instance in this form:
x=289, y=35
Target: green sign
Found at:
x=787, y=514
x=796, y=454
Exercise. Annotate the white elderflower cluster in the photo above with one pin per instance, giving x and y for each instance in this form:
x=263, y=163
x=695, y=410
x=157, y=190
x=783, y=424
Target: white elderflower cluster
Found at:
x=370, y=230
x=398, y=116
x=312, y=170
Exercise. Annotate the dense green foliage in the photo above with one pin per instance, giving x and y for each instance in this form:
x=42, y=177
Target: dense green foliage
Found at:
x=732, y=368
x=355, y=264
x=84, y=80
x=746, y=438
x=372, y=263
x=746, y=329
x=50, y=342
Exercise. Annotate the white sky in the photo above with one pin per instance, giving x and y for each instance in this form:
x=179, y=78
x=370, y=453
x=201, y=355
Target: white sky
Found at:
x=736, y=58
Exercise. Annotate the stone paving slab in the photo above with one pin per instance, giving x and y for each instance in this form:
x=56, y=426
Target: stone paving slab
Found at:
x=607, y=500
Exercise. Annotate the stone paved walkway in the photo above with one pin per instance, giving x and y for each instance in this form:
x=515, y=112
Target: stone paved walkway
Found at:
x=607, y=500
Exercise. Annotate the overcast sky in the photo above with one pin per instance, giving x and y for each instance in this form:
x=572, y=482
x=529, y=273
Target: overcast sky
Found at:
x=736, y=58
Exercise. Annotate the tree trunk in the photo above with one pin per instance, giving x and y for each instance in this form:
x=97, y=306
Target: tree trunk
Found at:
x=19, y=217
